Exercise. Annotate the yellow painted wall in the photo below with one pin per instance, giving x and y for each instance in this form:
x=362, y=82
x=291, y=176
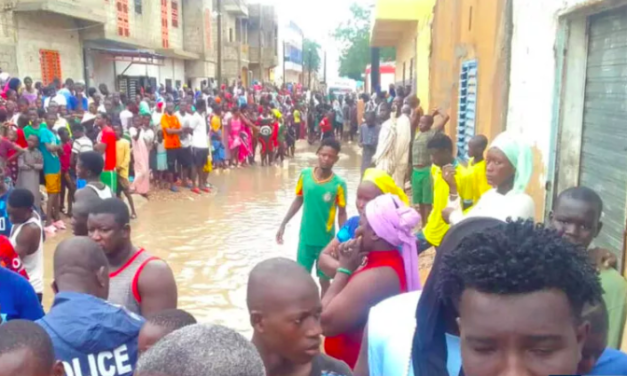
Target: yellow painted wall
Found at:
x=465, y=30
x=405, y=51
x=423, y=54
x=415, y=41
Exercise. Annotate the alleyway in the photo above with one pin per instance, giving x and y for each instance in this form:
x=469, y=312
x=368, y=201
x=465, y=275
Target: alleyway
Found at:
x=212, y=242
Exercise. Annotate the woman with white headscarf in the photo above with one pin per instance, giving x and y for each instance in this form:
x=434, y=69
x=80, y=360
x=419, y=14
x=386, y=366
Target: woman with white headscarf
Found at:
x=509, y=165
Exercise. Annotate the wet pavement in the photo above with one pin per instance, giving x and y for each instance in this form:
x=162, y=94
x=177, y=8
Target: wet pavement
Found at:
x=213, y=241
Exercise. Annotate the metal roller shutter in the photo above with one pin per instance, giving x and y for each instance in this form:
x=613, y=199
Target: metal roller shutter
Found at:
x=604, y=147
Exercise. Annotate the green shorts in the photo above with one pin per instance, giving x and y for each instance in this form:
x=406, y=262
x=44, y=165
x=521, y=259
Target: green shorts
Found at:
x=308, y=256
x=110, y=179
x=422, y=186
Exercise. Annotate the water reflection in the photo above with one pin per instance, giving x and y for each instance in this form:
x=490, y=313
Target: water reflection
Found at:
x=212, y=242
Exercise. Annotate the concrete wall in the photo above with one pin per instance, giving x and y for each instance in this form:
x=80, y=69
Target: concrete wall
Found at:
x=423, y=55
x=466, y=30
x=405, y=51
x=145, y=28
x=539, y=64
x=35, y=31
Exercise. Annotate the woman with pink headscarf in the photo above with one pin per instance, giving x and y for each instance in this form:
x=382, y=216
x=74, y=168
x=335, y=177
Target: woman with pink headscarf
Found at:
x=379, y=263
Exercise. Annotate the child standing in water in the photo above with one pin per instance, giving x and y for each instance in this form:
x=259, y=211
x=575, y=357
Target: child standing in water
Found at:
x=323, y=193
x=217, y=147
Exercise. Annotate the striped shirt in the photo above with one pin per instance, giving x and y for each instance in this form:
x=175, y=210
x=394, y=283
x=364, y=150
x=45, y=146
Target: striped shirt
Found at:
x=82, y=145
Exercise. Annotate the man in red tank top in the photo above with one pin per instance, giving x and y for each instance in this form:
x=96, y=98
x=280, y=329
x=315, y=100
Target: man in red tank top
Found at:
x=138, y=281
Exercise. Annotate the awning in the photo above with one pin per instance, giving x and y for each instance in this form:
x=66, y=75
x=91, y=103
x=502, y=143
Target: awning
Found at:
x=176, y=53
x=147, y=57
x=392, y=19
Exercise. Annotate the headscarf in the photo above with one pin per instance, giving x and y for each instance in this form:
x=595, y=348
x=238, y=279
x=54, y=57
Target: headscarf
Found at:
x=144, y=109
x=385, y=183
x=519, y=155
x=429, y=355
x=395, y=222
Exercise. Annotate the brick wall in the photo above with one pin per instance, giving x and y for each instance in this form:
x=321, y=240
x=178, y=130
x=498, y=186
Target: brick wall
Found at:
x=34, y=31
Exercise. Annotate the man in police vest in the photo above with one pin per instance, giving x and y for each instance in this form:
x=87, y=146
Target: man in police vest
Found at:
x=90, y=336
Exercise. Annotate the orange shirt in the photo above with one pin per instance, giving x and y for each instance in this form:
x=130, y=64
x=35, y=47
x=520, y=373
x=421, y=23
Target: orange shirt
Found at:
x=170, y=141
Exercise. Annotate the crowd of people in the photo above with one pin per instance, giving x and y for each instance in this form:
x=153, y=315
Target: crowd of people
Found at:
x=505, y=295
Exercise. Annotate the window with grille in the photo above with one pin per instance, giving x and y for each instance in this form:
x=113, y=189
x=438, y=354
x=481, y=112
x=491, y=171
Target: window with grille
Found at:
x=208, y=29
x=175, y=13
x=50, y=62
x=165, y=33
x=138, y=6
x=467, y=107
x=122, y=18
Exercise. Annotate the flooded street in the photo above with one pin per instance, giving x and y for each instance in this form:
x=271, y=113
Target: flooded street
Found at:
x=212, y=242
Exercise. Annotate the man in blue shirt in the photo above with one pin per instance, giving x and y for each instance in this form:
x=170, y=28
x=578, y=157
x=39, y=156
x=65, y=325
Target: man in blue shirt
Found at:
x=17, y=298
x=84, y=328
x=596, y=357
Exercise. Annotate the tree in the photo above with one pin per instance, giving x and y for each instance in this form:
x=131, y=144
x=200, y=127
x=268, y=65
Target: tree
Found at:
x=311, y=58
x=311, y=55
x=354, y=35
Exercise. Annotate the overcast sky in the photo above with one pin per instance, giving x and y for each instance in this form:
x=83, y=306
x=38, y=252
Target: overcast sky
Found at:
x=317, y=19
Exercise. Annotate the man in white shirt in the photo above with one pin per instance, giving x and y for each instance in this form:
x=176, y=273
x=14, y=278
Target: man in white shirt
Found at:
x=200, y=147
x=59, y=99
x=27, y=236
x=126, y=116
x=186, y=158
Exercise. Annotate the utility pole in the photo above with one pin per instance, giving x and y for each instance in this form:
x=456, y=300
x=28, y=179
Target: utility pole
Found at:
x=219, y=65
x=375, y=73
x=310, y=61
x=284, y=78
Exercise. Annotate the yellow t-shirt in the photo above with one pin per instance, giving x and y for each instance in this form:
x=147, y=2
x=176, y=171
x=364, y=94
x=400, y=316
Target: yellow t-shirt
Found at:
x=475, y=182
x=216, y=124
x=436, y=228
x=296, y=116
x=123, y=157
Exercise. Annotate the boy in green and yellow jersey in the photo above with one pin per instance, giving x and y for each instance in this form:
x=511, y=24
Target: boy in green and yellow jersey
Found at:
x=323, y=194
x=448, y=180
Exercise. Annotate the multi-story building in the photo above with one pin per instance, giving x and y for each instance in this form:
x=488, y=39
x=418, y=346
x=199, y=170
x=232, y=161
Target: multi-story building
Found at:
x=235, y=41
x=140, y=43
x=125, y=44
x=200, y=37
x=290, y=53
x=263, y=41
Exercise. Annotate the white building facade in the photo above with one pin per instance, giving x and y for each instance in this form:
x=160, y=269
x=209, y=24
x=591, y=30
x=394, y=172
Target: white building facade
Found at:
x=290, y=53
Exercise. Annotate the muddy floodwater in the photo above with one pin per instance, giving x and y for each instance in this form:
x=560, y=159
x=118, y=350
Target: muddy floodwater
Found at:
x=212, y=242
